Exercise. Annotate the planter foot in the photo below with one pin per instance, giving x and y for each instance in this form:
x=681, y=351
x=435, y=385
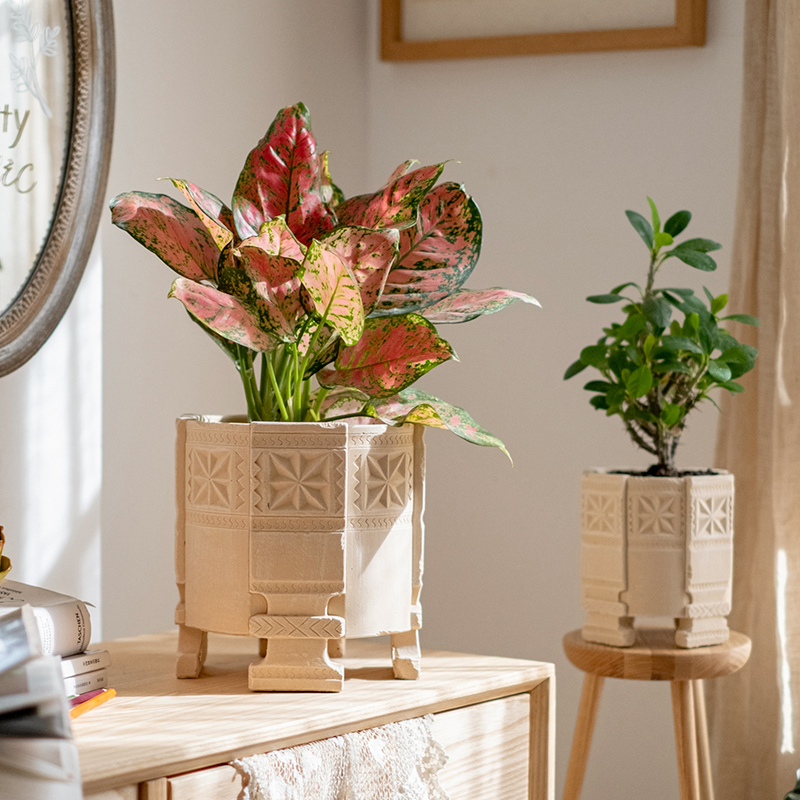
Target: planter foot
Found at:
x=336, y=648
x=701, y=632
x=406, y=655
x=192, y=647
x=605, y=629
x=293, y=665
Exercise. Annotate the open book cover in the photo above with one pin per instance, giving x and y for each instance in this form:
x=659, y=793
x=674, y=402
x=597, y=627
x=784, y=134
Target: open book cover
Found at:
x=63, y=621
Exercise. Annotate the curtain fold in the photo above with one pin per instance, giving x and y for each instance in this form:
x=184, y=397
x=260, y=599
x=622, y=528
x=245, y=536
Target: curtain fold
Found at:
x=754, y=714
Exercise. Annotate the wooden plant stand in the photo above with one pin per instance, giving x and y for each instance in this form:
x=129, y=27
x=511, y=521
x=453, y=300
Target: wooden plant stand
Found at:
x=654, y=657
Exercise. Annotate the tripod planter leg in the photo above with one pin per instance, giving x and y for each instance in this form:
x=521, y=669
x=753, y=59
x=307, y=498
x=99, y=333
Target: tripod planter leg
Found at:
x=406, y=655
x=582, y=739
x=192, y=645
x=703, y=755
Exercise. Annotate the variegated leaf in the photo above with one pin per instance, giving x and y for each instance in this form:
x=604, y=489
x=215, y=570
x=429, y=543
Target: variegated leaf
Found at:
x=282, y=175
x=437, y=255
x=223, y=314
x=214, y=214
x=369, y=254
x=395, y=205
x=259, y=299
x=275, y=238
x=333, y=289
x=341, y=400
x=466, y=304
x=392, y=353
x=170, y=230
x=413, y=405
x=331, y=193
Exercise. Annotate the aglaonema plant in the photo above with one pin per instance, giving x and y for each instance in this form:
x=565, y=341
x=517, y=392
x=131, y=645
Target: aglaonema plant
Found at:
x=670, y=351
x=327, y=306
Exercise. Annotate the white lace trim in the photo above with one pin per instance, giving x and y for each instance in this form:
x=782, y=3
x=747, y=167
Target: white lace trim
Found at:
x=398, y=761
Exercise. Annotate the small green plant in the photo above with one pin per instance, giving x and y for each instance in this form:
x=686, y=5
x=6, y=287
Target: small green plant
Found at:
x=656, y=369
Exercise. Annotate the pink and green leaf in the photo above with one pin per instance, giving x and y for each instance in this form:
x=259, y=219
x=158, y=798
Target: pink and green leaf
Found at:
x=334, y=291
x=170, y=230
x=415, y=406
x=391, y=354
x=222, y=313
x=466, y=304
x=214, y=214
x=275, y=238
x=342, y=400
x=395, y=205
x=437, y=255
x=283, y=176
x=332, y=195
x=369, y=254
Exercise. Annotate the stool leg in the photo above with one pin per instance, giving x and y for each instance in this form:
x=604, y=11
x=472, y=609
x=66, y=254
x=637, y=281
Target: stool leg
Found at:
x=582, y=738
x=703, y=755
x=685, y=739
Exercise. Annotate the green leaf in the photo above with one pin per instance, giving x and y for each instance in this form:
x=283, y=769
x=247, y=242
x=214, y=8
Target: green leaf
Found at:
x=574, y=368
x=662, y=239
x=631, y=328
x=719, y=371
x=658, y=311
x=618, y=289
x=694, y=258
x=691, y=324
x=677, y=223
x=743, y=318
x=699, y=245
x=641, y=226
x=594, y=355
x=617, y=362
x=604, y=298
x=670, y=414
x=654, y=215
x=649, y=343
x=640, y=381
x=675, y=328
x=718, y=303
x=599, y=402
x=665, y=367
x=616, y=396
x=732, y=386
x=598, y=386
x=677, y=343
x=709, y=335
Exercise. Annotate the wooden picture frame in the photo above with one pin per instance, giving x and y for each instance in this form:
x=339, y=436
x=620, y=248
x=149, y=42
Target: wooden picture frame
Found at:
x=689, y=30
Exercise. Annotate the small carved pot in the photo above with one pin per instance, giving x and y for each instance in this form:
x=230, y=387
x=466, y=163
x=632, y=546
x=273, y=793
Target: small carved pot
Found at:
x=656, y=547
x=298, y=534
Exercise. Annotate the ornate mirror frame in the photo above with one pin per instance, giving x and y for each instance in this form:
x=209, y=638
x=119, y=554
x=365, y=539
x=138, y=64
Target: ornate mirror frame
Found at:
x=33, y=315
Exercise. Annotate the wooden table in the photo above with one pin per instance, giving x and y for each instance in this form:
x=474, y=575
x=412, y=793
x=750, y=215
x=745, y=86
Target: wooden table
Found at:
x=167, y=738
x=654, y=657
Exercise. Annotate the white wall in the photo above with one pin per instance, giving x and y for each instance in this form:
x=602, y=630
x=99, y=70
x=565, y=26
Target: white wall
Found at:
x=554, y=149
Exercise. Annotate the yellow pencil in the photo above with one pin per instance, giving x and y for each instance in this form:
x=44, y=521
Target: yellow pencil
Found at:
x=92, y=703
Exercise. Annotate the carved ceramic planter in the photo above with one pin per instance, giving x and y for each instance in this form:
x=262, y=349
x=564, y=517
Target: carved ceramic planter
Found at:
x=298, y=534
x=656, y=547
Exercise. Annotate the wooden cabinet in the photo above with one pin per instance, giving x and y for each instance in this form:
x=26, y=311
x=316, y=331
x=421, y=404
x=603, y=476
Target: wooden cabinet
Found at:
x=168, y=739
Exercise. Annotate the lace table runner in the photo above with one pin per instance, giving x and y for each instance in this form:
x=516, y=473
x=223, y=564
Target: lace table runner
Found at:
x=400, y=760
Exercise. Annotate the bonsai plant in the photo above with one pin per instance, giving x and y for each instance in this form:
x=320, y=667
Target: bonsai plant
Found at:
x=641, y=548
x=328, y=309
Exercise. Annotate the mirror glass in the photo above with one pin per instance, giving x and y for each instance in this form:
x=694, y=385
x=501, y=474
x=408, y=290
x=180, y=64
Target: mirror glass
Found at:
x=35, y=107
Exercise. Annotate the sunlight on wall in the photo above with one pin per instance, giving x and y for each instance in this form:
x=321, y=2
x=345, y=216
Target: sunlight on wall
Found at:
x=60, y=443
x=785, y=677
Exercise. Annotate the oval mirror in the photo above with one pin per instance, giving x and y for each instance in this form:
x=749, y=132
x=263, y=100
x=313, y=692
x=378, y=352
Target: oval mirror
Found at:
x=56, y=119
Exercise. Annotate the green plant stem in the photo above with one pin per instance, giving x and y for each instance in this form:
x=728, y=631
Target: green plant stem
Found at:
x=277, y=390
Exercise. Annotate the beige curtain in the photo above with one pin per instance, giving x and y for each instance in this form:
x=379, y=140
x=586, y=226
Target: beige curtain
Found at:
x=754, y=716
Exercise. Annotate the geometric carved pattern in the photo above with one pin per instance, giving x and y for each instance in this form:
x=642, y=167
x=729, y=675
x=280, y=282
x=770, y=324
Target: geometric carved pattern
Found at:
x=657, y=515
x=266, y=626
x=600, y=513
x=383, y=481
x=712, y=516
x=705, y=610
x=300, y=480
x=216, y=479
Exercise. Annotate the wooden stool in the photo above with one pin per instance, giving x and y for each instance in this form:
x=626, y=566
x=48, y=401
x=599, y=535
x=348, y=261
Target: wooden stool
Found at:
x=654, y=657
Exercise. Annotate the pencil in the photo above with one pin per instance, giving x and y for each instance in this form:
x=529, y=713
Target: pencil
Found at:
x=93, y=702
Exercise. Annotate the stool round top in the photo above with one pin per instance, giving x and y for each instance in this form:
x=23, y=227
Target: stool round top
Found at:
x=655, y=657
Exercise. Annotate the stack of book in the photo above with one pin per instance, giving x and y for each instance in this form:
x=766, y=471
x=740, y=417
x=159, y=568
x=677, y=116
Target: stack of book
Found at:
x=65, y=630
x=38, y=759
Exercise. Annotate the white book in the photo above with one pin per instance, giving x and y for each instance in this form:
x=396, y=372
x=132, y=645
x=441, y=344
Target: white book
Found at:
x=19, y=638
x=39, y=769
x=87, y=661
x=87, y=682
x=32, y=684
x=63, y=621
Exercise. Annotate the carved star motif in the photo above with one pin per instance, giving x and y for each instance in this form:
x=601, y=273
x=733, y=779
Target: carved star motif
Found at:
x=300, y=481
x=712, y=516
x=600, y=513
x=386, y=480
x=211, y=479
x=658, y=515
